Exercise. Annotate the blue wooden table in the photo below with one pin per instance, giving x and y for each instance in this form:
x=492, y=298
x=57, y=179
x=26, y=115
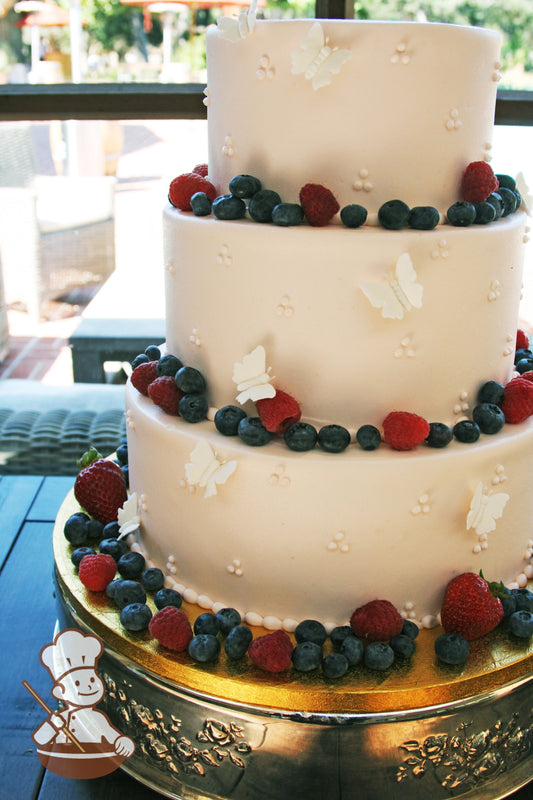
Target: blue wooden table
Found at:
x=28, y=506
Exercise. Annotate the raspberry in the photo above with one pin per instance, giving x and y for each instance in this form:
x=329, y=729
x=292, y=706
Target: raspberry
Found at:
x=271, y=652
x=278, y=412
x=171, y=628
x=96, y=571
x=517, y=404
x=201, y=169
x=527, y=376
x=404, y=431
x=318, y=203
x=165, y=394
x=184, y=186
x=479, y=181
x=522, y=340
x=377, y=621
x=143, y=375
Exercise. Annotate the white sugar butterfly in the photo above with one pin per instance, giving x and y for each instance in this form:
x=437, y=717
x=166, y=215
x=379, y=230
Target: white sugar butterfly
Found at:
x=236, y=28
x=206, y=471
x=525, y=193
x=252, y=377
x=399, y=293
x=128, y=516
x=485, y=509
x=316, y=59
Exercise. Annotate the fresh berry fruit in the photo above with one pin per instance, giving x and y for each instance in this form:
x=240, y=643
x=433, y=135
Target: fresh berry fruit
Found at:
x=153, y=352
x=100, y=487
x=287, y=214
x=334, y=666
x=114, y=547
x=112, y=587
x=228, y=618
x=339, y=634
x=165, y=394
x=522, y=353
x=167, y=597
x=300, y=436
x=168, y=365
x=378, y=656
x=479, y=181
x=95, y=530
x=201, y=169
x=122, y=453
x=271, y=652
x=252, y=432
x=152, y=579
x=184, y=186
x=506, y=182
x=193, y=407
x=95, y=572
x=517, y=404
x=318, y=203
x=238, y=641
x=190, y=380
x=524, y=365
x=404, y=431
x=81, y=552
x=310, y=630
x=244, y=186
x=410, y=628
x=142, y=358
x=368, y=437
x=352, y=649
x=262, y=205
x=489, y=418
x=485, y=213
x=128, y=592
x=204, y=647
x=466, y=431
x=206, y=623
x=461, y=214
x=306, y=656
x=278, y=412
x=451, y=648
x=423, y=218
x=143, y=375
x=200, y=204
x=333, y=438
x=112, y=531
x=75, y=529
x=521, y=624
x=376, y=621
x=440, y=435
x=227, y=420
x=508, y=602
x=496, y=202
x=403, y=645
x=135, y=617
x=131, y=565
x=469, y=607
x=353, y=216
x=394, y=215
x=491, y=392
x=523, y=598
x=172, y=629
x=227, y=206
x=509, y=201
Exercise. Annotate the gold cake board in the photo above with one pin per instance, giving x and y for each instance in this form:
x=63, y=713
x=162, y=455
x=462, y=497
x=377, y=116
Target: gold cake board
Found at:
x=229, y=730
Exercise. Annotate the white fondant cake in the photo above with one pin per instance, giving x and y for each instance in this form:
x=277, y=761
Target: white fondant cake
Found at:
x=353, y=324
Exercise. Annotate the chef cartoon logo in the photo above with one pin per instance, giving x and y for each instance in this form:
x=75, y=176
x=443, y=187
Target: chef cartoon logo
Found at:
x=78, y=740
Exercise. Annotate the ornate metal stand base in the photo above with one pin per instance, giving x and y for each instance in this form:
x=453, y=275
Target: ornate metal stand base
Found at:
x=471, y=739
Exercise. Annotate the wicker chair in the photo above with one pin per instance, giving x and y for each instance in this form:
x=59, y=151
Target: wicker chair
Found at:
x=56, y=233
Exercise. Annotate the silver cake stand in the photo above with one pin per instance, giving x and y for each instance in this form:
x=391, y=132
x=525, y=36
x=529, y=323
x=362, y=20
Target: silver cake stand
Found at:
x=228, y=731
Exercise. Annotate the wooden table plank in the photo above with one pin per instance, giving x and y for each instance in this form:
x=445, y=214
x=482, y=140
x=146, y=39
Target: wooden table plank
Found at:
x=51, y=494
x=16, y=496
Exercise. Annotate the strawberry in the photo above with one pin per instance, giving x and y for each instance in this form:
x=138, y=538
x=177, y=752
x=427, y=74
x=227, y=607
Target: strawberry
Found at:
x=271, y=652
x=517, y=403
x=318, y=203
x=278, y=412
x=469, y=608
x=171, y=628
x=184, y=186
x=522, y=340
x=96, y=571
x=479, y=181
x=201, y=169
x=143, y=375
x=165, y=394
x=377, y=621
x=100, y=487
x=404, y=431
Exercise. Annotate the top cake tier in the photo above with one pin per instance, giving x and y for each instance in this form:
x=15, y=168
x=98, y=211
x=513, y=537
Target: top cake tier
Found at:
x=373, y=110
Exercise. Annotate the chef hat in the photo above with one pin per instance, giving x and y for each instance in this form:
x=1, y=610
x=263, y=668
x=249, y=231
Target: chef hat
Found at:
x=70, y=650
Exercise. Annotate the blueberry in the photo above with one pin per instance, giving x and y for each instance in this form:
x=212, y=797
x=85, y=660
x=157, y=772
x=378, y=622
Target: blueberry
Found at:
x=126, y=473
x=439, y=435
x=142, y=358
x=252, y=431
x=333, y=438
x=466, y=431
x=227, y=420
x=111, y=531
x=424, y=218
x=127, y=592
x=300, y=436
x=122, y=454
x=489, y=418
x=524, y=599
x=403, y=645
x=167, y=597
x=339, y=634
x=79, y=553
x=131, y=565
x=111, y=588
x=524, y=365
x=152, y=579
x=368, y=437
x=378, y=655
x=114, y=547
x=353, y=216
x=508, y=602
x=190, y=380
x=193, y=407
x=287, y=214
x=153, y=352
x=506, y=182
x=518, y=198
x=496, y=202
x=244, y=186
x=168, y=365
x=451, y=648
x=228, y=618
x=200, y=204
x=306, y=656
x=334, y=666
x=521, y=353
x=461, y=214
x=491, y=392
x=521, y=624
x=262, y=205
x=485, y=213
x=75, y=530
x=238, y=641
x=206, y=623
x=310, y=630
x=410, y=628
x=509, y=201
x=352, y=649
x=227, y=207
x=204, y=647
x=393, y=215
x=135, y=617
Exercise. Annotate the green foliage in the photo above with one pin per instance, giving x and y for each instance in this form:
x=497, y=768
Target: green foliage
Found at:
x=117, y=27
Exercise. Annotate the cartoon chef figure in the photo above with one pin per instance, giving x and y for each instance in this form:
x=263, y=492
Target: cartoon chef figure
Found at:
x=71, y=661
